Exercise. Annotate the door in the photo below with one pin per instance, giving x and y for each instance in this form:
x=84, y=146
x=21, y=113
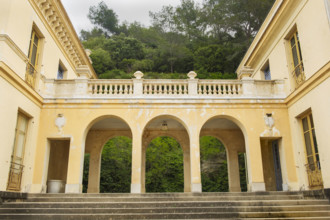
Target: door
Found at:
x=277, y=166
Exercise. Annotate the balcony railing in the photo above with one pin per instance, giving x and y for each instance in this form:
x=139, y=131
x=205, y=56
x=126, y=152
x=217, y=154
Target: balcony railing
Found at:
x=314, y=175
x=15, y=176
x=30, y=75
x=163, y=88
x=298, y=74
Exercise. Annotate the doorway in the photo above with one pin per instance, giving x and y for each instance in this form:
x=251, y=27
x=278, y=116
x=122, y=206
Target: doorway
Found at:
x=271, y=165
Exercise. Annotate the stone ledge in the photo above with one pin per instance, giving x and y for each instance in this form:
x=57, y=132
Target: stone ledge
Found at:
x=317, y=194
x=12, y=196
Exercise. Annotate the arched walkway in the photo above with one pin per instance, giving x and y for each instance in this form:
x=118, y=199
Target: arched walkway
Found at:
x=98, y=135
x=174, y=128
x=231, y=135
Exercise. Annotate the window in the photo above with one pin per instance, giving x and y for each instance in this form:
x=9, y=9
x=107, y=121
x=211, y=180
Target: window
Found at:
x=33, y=58
x=313, y=165
x=297, y=62
x=61, y=72
x=267, y=73
x=16, y=166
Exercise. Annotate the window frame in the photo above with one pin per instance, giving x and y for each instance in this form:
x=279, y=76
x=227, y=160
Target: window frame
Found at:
x=32, y=68
x=297, y=69
x=64, y=71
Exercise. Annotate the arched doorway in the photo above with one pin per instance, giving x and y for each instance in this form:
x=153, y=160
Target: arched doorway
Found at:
x=169, y=127
x=230, y=151
x=107, y=140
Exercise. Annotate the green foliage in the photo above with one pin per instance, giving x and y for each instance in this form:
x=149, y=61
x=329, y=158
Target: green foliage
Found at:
x=207, y=38
x=104, y=17
x=116, y=166
x=101, y=60
x=213, y=165
x=164, y=166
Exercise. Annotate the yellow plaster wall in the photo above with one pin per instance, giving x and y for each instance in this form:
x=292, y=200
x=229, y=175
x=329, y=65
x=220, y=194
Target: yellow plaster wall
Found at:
x=320, y=110
x=250, y=118
x=311, y=21
x=19, y=30
x=11, y=101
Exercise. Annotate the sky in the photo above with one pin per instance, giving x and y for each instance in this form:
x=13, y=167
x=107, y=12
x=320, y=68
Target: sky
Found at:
x=127, y=10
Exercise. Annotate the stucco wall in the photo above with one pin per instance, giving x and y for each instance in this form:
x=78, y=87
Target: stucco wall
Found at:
x=17, y=24
x=12, y=101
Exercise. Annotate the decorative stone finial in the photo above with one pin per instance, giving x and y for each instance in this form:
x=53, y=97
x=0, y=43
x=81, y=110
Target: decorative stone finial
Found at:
x=192, y=75
x=138, y=75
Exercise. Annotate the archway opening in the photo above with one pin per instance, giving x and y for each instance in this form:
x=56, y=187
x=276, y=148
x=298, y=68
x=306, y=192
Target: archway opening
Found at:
x=108, y=157
x=165, y=156
x=116, y=166
x=223, y=161
x=164, y=166
x=214, y=169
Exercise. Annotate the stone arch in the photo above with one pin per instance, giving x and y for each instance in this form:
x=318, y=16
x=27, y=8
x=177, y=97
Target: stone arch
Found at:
x=231, y=133
x=98, y=132
x=177, y=129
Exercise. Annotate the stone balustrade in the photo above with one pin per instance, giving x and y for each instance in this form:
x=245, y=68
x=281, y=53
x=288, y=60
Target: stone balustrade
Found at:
x=140, y=88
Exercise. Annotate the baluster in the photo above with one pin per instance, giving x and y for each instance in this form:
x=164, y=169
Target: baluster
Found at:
x=239, y=89
x=130, y=89
x=126, y=89
x=234, y=89
x=199, y=89
x=180, y=89
x=229, y=89
x=175, y=92
x=185, y=86
x=106, y=88
x=165, y=89
x=170, y=89
x=150, y=88
x=110, y=89
x=121, y=88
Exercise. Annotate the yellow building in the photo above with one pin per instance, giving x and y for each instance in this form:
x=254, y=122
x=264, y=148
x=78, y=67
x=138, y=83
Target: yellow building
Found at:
x=56, y=110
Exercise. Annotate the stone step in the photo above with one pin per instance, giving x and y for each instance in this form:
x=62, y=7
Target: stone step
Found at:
x=202, y=215
x=86, y=210
x=155, y=195
x=151, y=199
x=136, y=204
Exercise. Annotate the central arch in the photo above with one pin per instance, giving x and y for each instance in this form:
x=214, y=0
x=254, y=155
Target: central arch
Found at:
x=101, y=130
x=171, y=126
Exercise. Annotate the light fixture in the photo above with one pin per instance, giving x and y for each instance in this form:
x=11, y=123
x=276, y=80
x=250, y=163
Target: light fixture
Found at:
x=164, y=126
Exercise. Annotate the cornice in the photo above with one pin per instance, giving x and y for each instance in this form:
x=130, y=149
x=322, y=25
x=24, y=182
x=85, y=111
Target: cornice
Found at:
x=55, y=15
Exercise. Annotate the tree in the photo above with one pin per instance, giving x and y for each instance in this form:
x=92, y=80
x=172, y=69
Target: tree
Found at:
x=104, y=18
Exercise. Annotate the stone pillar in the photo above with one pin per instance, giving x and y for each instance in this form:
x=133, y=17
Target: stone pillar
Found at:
x=94, y=172
x=233, y=171
x=136, y=184
x=186, y=168
x=75, y=166
x=195, y=167
x=143, y=169
x=255, y=167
